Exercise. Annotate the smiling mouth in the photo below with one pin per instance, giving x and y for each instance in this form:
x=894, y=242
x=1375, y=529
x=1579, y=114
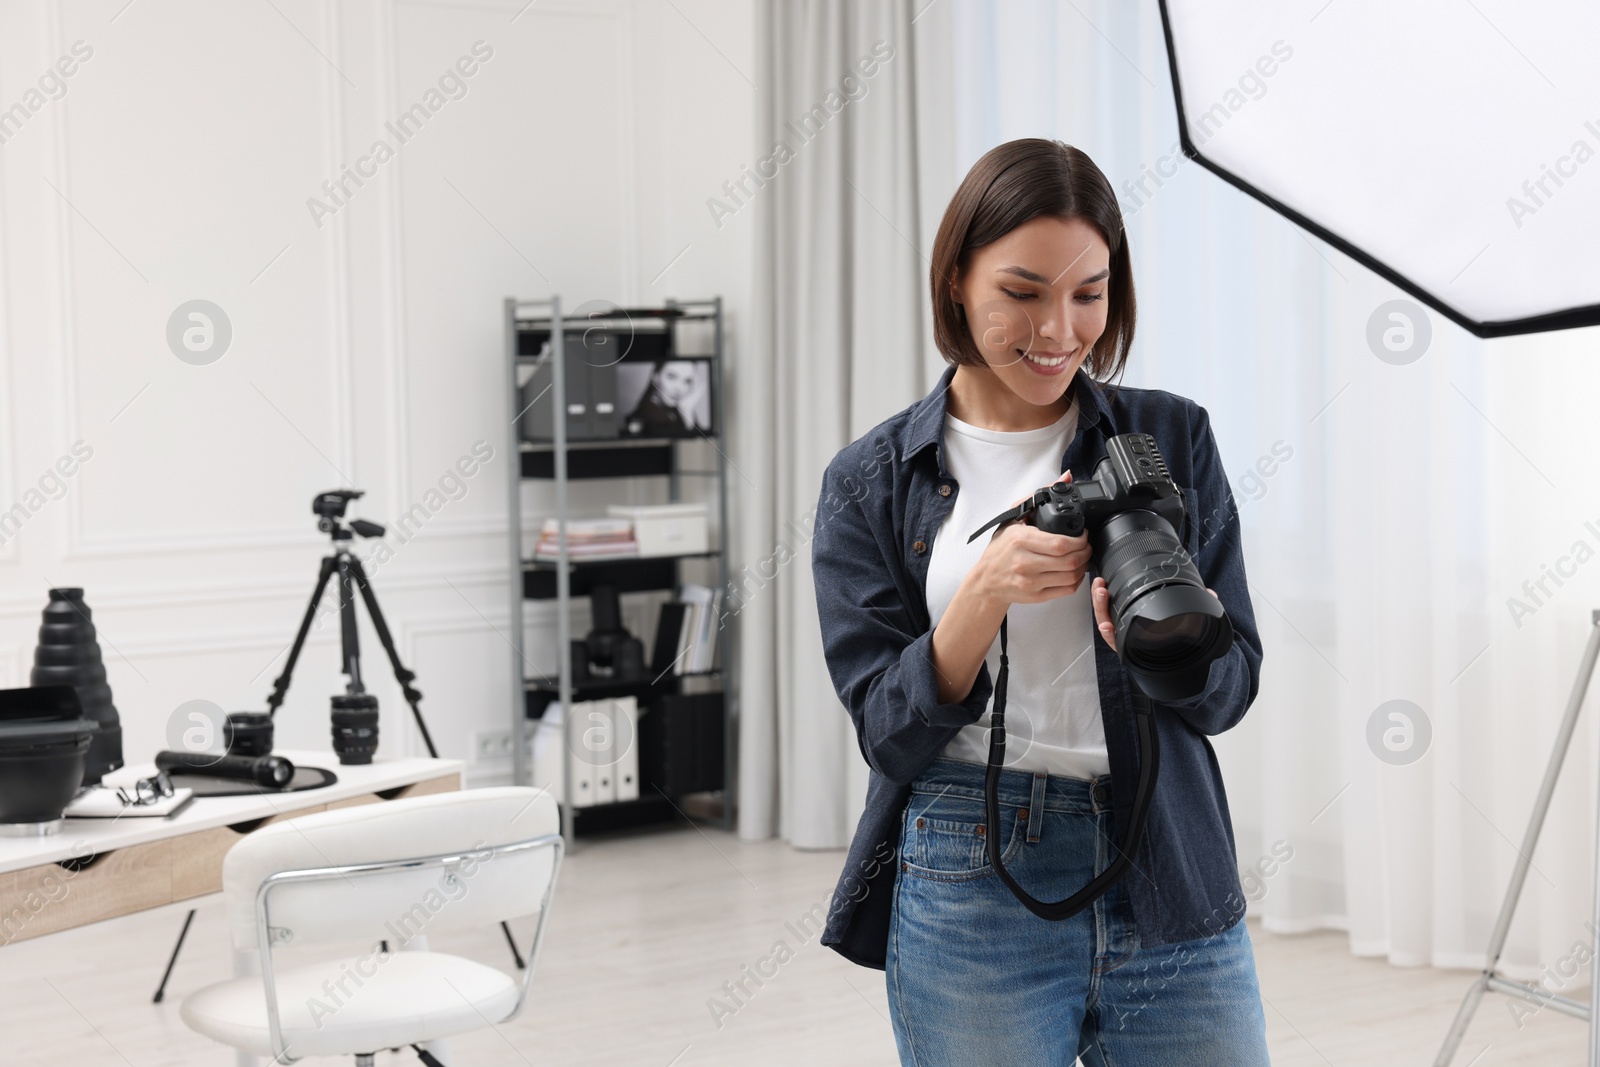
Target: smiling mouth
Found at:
x=1044, y=360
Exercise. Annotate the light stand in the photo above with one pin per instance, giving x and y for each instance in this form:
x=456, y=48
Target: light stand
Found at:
x=356, y=736
x=1491, y=979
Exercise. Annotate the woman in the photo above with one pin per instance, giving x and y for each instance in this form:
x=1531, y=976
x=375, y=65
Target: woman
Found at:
x=1033, y=307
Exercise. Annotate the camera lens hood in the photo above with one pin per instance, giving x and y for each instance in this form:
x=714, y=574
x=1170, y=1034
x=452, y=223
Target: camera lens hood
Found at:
x=1168, y=638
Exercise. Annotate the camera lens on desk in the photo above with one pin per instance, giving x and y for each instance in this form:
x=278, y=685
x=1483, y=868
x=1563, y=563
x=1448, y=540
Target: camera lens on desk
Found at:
x=249, y=733
x=355, y=727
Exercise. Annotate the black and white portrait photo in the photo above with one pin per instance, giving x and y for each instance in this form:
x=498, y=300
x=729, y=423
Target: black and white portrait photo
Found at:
x=665, y=398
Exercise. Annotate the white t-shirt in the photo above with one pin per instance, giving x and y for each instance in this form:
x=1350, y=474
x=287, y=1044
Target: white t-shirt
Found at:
x=1052, y=694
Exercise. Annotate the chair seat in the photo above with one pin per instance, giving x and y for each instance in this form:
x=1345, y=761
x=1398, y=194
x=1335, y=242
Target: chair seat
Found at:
x=410, y=997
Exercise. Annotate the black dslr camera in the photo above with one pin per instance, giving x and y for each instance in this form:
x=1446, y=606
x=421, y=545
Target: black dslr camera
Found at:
x=1168, y=626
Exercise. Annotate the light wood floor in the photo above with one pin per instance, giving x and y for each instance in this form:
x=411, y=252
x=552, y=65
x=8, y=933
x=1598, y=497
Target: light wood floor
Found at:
x=645, y=930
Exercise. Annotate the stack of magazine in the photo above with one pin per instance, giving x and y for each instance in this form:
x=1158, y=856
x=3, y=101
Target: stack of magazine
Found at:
x=686, y=635
x=587, y=539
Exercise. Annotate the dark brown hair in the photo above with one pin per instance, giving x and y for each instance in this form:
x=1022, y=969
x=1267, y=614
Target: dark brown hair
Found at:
x=1012, y=184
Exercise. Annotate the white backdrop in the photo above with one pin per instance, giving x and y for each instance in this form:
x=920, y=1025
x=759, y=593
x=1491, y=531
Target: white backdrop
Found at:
x=175, y=162
x=1391, y=508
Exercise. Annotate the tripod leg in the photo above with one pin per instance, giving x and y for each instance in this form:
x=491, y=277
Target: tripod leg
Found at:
x=1530, y=838
x=161, y=990
x=281, y=686
x=401, y=674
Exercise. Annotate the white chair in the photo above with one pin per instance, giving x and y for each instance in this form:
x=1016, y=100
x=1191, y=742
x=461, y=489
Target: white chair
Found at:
x=388, y=875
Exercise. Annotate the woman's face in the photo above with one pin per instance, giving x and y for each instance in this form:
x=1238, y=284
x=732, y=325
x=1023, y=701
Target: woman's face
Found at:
x=674, y=381
x=1035, y=301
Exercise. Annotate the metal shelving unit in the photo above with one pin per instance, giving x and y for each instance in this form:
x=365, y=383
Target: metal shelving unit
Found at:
x=559, y=461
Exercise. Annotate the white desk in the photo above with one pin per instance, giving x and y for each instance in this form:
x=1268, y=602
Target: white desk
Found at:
x=138, y=863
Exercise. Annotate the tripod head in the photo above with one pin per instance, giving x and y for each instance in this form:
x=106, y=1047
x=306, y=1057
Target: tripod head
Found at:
x=329, y=507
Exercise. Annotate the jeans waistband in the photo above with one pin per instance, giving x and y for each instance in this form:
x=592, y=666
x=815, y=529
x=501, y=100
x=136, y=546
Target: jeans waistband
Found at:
x=951, y=777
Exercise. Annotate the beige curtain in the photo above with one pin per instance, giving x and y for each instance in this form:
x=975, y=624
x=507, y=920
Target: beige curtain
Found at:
x=841, y=342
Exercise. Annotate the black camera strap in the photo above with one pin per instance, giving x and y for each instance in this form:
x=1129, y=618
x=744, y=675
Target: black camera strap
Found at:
x=1021, y=511
x=1129, y=832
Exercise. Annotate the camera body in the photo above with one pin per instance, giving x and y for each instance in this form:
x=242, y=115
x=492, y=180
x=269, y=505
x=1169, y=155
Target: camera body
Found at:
x=1169, y=627
x=1132, y=476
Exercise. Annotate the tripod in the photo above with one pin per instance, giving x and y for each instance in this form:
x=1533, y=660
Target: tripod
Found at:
x=1491, y=979
x=330, y=508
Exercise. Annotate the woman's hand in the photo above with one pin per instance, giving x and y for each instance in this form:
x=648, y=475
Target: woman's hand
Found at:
x=1102, y=611
x=1101, y=595
x=1023, y=564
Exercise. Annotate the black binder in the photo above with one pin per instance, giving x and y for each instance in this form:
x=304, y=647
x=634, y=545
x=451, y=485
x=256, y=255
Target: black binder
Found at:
x=668, y=629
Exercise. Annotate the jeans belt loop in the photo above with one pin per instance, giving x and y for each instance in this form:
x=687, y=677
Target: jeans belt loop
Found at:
x=1036, y=807
x=1099, y=794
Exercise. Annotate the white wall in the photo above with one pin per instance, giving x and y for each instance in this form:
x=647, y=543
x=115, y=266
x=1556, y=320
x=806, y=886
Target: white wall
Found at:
x=368, y=350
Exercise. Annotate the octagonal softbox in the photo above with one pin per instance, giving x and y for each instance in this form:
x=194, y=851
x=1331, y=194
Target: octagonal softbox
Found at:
x=1451, y=146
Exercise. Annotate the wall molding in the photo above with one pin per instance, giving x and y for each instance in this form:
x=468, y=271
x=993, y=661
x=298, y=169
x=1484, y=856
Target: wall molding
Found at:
x=80, y=545
x=227, y=587
x=296, y=589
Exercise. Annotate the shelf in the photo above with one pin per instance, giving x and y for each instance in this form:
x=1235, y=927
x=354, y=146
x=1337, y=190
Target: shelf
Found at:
x=545, y=444
x=601, y=459
x=622, y=457
x=630, y=574
x=647, y=810
x=686, y=750
x=652, y=807
x=608, y=687
x=582, y=320
x=537, y=697
x=592, y=561
x=653, y=314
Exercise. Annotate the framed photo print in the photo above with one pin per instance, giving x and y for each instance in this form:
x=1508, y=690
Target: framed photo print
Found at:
x=664, y=398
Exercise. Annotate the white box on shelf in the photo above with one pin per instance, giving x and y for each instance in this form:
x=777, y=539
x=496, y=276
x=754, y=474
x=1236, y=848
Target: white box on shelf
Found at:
x=593, y=739
x=605, y=785
x=549, y=752
x=583, y=792
x=667, y=529
x=627, y=766
x=600, y=745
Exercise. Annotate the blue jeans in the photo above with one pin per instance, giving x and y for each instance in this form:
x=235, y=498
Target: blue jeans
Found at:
x=975, y=978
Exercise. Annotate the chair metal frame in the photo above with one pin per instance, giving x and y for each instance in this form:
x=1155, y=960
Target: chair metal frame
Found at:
x=551, y=841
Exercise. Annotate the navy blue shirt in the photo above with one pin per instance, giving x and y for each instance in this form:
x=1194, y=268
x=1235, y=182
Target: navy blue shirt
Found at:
x=883, y=499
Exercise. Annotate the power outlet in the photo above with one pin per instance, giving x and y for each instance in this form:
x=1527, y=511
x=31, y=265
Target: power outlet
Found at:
x=491, y=745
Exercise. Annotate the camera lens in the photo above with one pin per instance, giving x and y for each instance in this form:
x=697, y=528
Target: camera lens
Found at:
x=248, y=733
x=1169, y=628
x=1168, y=643
x=355, y=727
x=1162, y=637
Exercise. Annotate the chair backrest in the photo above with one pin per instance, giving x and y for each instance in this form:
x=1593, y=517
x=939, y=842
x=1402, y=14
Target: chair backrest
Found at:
x=481, y=889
